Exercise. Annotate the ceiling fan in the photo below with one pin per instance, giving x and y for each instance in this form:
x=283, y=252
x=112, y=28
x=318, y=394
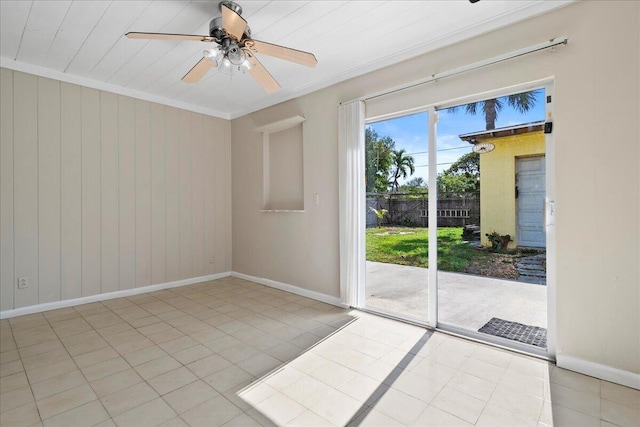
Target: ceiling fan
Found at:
x=235, y=49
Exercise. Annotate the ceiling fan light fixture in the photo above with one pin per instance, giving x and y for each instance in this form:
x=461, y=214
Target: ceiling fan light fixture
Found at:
x=235, y=54
x=246, y=65
x=215, y=55
x=226, y=67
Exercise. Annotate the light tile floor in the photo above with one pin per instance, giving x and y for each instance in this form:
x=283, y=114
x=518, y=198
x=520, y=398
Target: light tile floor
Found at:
x=235, y=353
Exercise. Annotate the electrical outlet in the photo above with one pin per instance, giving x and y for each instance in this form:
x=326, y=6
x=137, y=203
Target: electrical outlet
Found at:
x=23, y=282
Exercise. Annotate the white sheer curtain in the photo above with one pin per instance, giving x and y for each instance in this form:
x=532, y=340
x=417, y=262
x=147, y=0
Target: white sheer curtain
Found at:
x=352, y=202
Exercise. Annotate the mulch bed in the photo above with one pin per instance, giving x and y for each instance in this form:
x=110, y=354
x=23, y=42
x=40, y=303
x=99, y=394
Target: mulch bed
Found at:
x=501, y=266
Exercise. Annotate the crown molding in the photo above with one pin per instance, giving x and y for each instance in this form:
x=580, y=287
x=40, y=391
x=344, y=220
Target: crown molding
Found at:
x=107, y=87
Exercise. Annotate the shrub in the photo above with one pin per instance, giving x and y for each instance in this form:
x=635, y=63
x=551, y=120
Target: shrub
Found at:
x=498, y=241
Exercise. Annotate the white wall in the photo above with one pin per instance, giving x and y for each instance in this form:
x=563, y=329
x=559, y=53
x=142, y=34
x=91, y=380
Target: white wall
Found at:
x=101, y=192
x=597, y=116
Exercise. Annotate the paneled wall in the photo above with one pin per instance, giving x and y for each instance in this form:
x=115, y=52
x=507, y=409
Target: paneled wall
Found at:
x=101, y=192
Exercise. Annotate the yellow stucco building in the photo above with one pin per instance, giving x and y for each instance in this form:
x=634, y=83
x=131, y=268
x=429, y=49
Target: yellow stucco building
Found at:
x=512, y=183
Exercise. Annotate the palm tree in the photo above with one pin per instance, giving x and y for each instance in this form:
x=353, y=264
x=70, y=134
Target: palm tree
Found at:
x=377, y=160
x=522, y=102
x=402, y=167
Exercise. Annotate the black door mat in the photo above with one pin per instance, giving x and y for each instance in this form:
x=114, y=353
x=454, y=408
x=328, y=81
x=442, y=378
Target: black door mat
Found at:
x=532, y=335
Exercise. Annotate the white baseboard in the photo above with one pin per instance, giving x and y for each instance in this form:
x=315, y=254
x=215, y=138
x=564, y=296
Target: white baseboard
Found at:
x=291, y=288
x=111, y=295
x=603, y=372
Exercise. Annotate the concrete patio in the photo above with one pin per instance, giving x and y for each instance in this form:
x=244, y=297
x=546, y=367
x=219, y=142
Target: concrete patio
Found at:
x=464, y=300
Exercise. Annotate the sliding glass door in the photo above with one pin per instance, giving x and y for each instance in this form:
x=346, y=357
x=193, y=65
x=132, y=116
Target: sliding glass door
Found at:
x=397, y=169
x=457, y=214
x=490, y=214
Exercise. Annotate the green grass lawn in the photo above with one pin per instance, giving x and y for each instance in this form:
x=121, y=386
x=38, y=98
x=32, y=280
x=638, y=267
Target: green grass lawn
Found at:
x=409, y=246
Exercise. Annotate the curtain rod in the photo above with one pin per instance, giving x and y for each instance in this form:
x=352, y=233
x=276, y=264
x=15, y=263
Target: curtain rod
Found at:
x=465, y=68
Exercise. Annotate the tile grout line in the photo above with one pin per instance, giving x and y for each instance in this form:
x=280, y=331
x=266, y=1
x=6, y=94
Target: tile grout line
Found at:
x=295, y=317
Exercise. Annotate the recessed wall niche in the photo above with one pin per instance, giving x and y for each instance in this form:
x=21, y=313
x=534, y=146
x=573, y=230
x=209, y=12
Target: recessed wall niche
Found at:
x=282, y=166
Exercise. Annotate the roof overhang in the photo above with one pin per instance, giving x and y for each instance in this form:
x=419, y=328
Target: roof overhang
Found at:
x=475, y=137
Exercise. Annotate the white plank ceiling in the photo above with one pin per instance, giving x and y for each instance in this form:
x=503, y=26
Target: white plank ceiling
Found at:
x=82, y=41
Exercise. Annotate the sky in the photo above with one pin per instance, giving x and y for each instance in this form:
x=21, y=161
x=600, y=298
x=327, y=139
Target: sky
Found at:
x=411, y=133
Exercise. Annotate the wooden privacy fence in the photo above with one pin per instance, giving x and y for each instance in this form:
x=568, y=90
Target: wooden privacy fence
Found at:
x=412, y=209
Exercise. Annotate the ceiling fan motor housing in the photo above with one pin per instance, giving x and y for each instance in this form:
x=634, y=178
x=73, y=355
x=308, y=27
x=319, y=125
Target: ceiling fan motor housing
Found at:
x=231, y=5
x=216, y=30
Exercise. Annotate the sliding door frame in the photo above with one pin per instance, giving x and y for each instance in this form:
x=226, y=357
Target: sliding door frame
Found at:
x=550, y=228
x=549, y=223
